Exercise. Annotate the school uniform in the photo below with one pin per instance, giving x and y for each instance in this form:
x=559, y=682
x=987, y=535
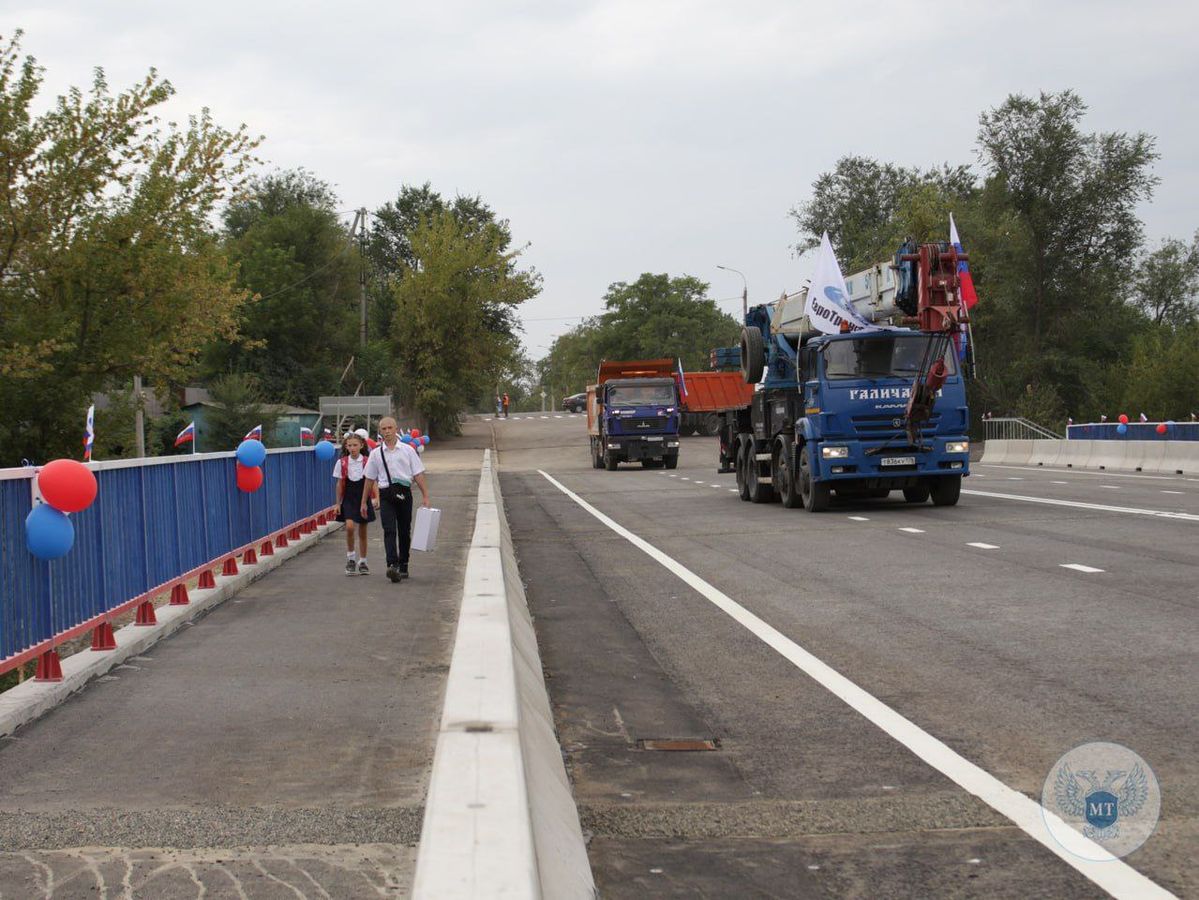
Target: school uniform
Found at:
x=354, y=472
x=404, y=464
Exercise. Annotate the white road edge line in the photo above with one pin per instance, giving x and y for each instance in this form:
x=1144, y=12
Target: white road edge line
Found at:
x=1057, y=470
x=1077, y=567
x=1112, y=874
x=913, y=530
x=981, y=546
x=1079, y=504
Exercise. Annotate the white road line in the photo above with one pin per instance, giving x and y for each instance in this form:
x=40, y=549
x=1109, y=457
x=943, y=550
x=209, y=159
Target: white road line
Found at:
x=1110, y=487
x=1014, y=478
x=859, y=518
x=1171, y=492
x=1059, y=482
x=981, y=546
x=544, y=417
x=557, y=417
x=732, y=490
x=1113, y=875
x=1077, y=567
x=718, y=487
x=913, y=530
x=685, y=478
x=1059, y=471
x=1078, y=504
x=674, y=476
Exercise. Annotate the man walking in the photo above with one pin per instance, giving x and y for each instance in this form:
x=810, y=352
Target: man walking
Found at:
x=394, y=466
x=505, y=405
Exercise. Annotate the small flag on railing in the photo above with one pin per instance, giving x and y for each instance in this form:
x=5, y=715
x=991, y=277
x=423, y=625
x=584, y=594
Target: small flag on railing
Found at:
x=1144, y=418
x=254, y=434
x=306, y=435
x=89, y=433
x=1102, y=418
x=328, y=433
x=1069, y=421
x=187, y=435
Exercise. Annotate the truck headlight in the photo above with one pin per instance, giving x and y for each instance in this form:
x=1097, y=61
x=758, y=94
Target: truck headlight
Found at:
x=834, y=452
x=957, y=446
x=614, y=446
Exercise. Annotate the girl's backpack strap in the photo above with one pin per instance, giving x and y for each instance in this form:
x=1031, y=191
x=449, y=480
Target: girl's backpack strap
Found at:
x=345, y=468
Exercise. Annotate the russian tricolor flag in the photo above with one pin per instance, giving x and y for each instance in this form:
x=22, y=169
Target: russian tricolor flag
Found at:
x=965, y=280
x=187, y=435
x=682, y=379
x=89, y=433
x=306, y=434
x=254, y=434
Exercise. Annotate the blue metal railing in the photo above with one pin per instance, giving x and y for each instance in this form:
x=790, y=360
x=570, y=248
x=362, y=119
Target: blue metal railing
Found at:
x=153, y=521
x=1137, y=431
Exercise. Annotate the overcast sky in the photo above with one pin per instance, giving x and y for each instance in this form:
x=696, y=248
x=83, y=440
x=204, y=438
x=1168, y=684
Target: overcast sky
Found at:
x=628, y=137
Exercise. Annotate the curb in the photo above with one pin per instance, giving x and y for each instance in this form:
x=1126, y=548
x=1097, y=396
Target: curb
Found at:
x=32, y=699
x=500, y=817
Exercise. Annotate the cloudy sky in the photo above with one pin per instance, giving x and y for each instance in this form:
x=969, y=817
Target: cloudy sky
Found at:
x=624, y=137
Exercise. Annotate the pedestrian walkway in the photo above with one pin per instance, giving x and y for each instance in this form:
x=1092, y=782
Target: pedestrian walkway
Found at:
x=278, y=746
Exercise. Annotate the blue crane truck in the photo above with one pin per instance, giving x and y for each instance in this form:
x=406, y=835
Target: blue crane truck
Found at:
x=633, y=414
x=859, y=413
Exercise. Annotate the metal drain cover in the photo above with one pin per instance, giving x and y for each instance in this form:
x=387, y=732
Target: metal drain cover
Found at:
x=677, y=744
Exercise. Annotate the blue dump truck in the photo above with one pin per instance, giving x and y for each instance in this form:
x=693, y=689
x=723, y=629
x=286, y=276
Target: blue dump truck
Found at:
x=633, y=414
x=859, y=413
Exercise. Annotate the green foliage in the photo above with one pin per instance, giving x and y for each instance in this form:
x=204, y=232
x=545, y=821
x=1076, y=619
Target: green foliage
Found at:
x=1163, y=376
x=654, y=317
x=452, y=332
x=109, y=266
x=116, y=430
x=1167, y=283
x=237, y=408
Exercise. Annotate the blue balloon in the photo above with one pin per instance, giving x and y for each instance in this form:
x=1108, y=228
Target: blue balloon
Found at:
x=1121, y=428
x=49, y=534
x=406, y=438
x=325, y=451
x=251, y=453
x=424, y=439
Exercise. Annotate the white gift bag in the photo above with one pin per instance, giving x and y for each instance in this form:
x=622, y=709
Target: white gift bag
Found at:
x=424, y=529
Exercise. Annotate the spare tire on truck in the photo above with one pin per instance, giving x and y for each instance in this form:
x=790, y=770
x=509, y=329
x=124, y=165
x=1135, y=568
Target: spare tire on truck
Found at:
x=753, y=355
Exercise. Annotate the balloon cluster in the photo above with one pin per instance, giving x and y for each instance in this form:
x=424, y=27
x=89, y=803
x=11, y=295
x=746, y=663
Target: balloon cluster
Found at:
x=67, y=486
x=251, y=454
x=416, y=439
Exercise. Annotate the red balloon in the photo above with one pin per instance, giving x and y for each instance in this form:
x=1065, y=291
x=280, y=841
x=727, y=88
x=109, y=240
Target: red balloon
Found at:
x=371, y=443
x=1161, y=429
x=67, y=485
x=1123, y=419
x=249, y=478
x=415, y=432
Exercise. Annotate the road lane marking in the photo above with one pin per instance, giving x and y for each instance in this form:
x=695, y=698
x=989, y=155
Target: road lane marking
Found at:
x=718, y=487
x=1059, y=482
x=981, y=546
x=1171, y=492
x=1110, y=487
x=1078, y=504
x=1057, y=471
x=913, y=530
x=859, y=518
x=1015, y=478
x=1077, y=567
x=732, y=490
x=1115, y=876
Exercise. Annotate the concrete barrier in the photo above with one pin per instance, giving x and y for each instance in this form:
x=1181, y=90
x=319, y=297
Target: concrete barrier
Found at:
x=1145, y=456
x=1045, y=453
x=1019, y=452
x=1148, y=457
x=1110, y=455
x=1180, y=458
x=1075, y=454
x=995, y=453
x=500, y=818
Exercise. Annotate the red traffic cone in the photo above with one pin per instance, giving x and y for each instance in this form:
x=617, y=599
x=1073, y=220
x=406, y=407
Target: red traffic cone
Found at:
x=281, y=540
x=103, y=638
x=207, y=582
x=145, y=614
x=268, y=549
x=48, y=667
x=250, y=557
x=230, y=567
x=179, y=595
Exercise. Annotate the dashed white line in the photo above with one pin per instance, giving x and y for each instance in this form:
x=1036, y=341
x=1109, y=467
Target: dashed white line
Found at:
x=1116, y=877
x=1059, y=482
x=1078, y=567
x=1171, y=492
x=717, y=486
x=859, y=518
x=913, y=530
x=981, y=546
x=1014, y=478
x=732, y=490
x=1110, y=487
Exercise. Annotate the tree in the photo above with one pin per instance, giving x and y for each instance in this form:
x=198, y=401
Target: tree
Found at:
x=108, y=265
x=1167, y=283
x=1162, y=379
x=301, y=328
x=452, y=330
x=237, y=407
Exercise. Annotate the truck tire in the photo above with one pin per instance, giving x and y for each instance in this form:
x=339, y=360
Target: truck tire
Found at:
x=611, y=461
x=753, y=355
x=597, y=455
x=946, y=489
x=740, y=465
x=785, y=483
x=761, y=490
x=671, y=461
x=815, y=495
x=917, y=494
x=710, y=425
x=687, y=426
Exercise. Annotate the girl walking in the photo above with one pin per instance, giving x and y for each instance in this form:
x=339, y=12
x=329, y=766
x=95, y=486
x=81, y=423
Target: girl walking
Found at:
x=352, y=506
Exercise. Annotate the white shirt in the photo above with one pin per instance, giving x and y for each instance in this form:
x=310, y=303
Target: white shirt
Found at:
x=354, y=467
x=403, y=462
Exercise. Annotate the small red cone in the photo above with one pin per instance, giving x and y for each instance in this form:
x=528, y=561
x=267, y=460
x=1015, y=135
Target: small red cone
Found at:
x=48, y=667
x=207, y=582
x=230, y=567
x=281, y=540
x=103, y=638
x=320, y=520
x=268, y=549
x=249, y=558
x=295, y=534
x=179, y=595
x=145, y=614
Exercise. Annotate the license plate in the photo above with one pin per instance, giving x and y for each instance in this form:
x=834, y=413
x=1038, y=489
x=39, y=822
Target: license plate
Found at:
x=654, y=438
x=898, y=461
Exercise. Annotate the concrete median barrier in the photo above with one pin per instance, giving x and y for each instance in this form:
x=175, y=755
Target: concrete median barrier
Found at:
x=1148, y=457
x=1180, y=458
x=1045, y=453
x=995, y=453
x=500, y=817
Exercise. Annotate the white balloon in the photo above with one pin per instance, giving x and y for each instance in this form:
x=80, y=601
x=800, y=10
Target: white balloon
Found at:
x=420, y=448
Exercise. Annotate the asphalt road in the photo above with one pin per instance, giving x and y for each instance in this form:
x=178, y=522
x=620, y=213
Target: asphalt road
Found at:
x=967, y=621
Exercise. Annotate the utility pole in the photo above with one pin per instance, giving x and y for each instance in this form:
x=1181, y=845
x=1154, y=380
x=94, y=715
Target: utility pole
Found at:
x=744, y=291
x=360, y=219
x=139, y=424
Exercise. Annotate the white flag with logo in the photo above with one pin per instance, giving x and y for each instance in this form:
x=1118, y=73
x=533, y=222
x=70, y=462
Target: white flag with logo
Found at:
x=827, y=305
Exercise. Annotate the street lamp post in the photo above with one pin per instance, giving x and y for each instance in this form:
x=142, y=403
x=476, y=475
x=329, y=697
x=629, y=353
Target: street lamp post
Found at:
x=744, y=290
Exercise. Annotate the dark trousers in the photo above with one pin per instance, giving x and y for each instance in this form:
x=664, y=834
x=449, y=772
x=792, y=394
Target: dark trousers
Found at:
x=395, y=513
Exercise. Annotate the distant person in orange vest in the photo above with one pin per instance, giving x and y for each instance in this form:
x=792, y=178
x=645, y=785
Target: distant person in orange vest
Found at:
x=505, y=406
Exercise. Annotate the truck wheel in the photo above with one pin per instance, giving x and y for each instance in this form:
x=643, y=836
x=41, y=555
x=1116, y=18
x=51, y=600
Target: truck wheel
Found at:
x=815, y=494
x=753, y=355
x=611, y=461
x=597, y=456
x=739, y=463
x=784, y=476
x=672, y=461
x=917, y=494
x=760, y=490
x=710, y=425
x=946, y=489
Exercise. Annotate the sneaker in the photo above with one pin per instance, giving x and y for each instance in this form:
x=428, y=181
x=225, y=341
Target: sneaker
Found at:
x=363, y=568
x=351, y=567
x=403, y=573
x=393, y=573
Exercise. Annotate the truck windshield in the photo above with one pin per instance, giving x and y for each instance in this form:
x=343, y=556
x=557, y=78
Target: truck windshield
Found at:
x=641, y=395
x=891, y=356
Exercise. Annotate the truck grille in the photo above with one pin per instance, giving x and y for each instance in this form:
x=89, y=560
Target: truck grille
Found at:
x=885, y=427
x=649, y=424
